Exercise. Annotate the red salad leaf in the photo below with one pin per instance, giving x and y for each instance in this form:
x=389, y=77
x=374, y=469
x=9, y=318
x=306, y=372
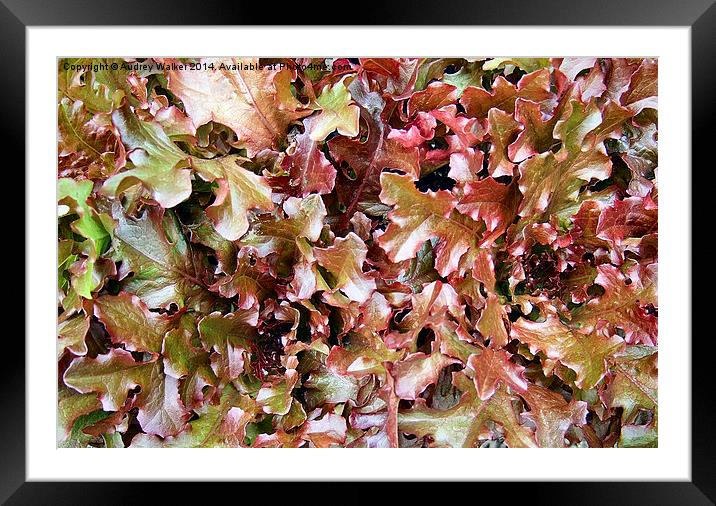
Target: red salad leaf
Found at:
x=572, y=66
x=436, y=95
x=128, y=321
x=249, y=283
x=114, y=374
x=364, y=160
x=429, y=307
x=492, y=322
x=502, y=129
x=163, y=266
x=89, y=145
x=337, y=113
x=490, y=201
x=552, y=415
x=417, y=371
x=239, y=191
x=344, y=260
x=468, y=131
x=357, y=253
x=418, y=217
x=584, y=354
x=158, y=163
x=464, y=424
x=221, y=425
x=536, y=134
x=642, y=90
x=478, y=102
x=634, y=383
x=490, y=367
x=309, y=169
x=229, y=336
x=72, y=335
x=277, y=238
x=550, y=182
x=631, y=217
x=625, y=303
x=70, y=407
x=256, y=103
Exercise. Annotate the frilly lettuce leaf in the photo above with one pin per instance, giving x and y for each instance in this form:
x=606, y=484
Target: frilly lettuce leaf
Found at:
x=362, y=253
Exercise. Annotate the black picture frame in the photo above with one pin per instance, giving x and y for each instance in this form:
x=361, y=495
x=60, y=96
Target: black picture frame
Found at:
x=700, y=15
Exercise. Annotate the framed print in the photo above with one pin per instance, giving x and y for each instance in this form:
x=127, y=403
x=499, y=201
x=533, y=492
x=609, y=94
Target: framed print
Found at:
x=333, y=253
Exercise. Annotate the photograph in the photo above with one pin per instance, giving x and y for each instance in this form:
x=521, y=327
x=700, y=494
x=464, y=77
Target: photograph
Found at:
x=382, y=252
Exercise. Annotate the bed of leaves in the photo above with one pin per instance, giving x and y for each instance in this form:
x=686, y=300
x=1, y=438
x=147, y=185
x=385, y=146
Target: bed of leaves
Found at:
x=357, y=253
